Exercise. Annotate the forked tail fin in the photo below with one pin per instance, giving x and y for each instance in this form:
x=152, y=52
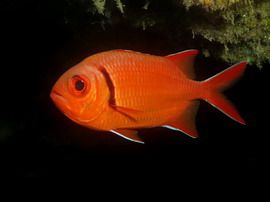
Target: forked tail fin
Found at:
x=213, y=87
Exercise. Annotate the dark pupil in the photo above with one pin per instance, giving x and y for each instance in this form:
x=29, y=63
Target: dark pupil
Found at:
x=79, y=85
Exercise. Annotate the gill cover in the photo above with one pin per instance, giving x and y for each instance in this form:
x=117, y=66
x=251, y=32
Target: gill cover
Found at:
x=93, y=102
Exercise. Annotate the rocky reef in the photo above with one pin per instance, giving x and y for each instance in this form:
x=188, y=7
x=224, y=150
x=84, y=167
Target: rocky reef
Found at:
x=230, y=30
x=242, y=27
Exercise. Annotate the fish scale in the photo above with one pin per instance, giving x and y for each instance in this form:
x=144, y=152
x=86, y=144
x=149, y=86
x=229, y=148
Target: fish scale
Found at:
x=128, y=79
x=158, y=76
x=125, y=90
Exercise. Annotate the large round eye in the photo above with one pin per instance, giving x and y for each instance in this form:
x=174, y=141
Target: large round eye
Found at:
x=79, y=85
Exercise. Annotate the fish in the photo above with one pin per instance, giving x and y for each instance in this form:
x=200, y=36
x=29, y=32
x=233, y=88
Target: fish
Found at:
x=121, y=91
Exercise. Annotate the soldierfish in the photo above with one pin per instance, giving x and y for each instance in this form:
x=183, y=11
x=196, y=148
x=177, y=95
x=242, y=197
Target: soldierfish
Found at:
x=121, y=90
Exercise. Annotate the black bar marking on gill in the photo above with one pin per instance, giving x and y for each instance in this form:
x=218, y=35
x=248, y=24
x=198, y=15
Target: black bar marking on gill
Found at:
x=111, y=87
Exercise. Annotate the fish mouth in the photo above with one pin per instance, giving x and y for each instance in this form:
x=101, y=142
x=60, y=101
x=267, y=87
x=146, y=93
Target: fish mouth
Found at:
x=54, y=92
x=58, y=98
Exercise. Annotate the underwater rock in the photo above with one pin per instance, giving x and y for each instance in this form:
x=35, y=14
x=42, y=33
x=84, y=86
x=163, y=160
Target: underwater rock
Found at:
x=230, y=30
x=239, y=28
x=242, y=28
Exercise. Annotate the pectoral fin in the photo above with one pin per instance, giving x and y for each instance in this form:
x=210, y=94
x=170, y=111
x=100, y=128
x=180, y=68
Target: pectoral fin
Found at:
x=128, y=112
x=128, y=134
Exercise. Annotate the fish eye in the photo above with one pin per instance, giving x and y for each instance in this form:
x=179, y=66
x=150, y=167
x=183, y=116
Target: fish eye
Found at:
x=78, y=85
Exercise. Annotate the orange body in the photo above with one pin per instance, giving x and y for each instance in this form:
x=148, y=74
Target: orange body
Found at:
x=123, y=90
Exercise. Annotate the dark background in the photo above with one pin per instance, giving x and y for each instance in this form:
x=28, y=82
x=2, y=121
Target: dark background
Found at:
x=39, y=145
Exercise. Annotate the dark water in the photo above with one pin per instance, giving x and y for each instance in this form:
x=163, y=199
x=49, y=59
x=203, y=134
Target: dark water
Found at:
x=39, y=145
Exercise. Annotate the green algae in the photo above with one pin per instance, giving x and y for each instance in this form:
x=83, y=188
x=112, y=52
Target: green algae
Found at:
x=99, y=5
x=243, y=30
x=214, y=4
x=231, y=30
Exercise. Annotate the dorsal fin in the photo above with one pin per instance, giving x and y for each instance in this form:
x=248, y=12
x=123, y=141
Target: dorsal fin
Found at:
x=185, y=61
x=186, y=121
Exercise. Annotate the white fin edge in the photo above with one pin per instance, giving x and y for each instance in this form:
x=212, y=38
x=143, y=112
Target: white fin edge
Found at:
x=126, y=137
x=183, y=52
x=176, y=129
x=219, y=109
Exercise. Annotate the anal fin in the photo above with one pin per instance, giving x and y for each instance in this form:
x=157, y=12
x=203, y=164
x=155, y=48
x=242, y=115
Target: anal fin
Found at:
x=186, y=121
x=128, y=134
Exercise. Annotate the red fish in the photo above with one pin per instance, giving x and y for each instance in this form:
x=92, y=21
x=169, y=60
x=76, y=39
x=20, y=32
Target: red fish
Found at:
x=121, y=91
